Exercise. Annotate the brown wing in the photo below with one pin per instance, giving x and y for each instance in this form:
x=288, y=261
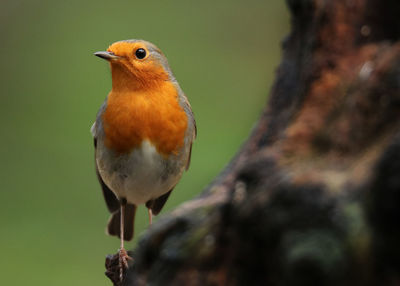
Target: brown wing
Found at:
x=189, y=157
x=111, y=200
x=157, y=204
x=190, y=114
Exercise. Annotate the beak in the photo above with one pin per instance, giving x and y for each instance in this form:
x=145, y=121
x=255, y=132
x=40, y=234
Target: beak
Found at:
x=107, y=56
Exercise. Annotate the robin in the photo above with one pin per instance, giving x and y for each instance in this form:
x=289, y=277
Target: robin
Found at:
x=143, y=135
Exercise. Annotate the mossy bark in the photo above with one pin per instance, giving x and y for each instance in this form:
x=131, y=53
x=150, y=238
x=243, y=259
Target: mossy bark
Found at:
x=313, y=196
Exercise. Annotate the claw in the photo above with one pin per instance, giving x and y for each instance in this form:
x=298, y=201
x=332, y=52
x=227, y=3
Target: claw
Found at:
x=123, y=262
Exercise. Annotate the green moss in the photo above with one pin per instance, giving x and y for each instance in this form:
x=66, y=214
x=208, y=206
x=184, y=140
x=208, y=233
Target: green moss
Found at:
x=358, y=231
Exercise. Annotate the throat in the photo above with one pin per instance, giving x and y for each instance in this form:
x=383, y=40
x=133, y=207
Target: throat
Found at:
x=127, y=79
x=122, y=79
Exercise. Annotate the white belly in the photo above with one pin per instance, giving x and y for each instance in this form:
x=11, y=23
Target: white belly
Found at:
x=139, y=176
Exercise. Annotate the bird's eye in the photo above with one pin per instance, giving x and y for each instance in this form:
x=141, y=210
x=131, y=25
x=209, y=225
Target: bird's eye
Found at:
x=140, y=53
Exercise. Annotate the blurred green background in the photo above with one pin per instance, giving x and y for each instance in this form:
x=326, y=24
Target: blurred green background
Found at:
x=52, y=213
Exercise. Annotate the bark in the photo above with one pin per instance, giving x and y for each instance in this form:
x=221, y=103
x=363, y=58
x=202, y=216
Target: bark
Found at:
x=312, y=197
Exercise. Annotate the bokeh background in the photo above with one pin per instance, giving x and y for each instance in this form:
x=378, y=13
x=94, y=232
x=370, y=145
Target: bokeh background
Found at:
x=52, y=213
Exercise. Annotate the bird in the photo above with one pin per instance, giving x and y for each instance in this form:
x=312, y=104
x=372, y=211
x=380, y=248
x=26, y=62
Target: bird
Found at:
x=143, y=136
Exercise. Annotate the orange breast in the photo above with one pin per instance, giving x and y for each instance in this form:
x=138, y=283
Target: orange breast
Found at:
x=155, y=115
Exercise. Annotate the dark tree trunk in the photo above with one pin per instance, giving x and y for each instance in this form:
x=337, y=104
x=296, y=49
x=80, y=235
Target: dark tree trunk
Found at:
x=313, y=197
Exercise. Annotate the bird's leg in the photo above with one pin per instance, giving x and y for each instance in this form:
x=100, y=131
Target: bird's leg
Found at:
x=123, y=254
x=150, y=215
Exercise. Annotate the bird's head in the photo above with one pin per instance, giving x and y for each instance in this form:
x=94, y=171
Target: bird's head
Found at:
x=136, y=64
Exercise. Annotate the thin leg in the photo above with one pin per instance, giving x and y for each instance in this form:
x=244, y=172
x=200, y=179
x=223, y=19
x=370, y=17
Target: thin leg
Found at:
x=122, y=225
x=150, y=215
x=122, y=249
x=123, y=255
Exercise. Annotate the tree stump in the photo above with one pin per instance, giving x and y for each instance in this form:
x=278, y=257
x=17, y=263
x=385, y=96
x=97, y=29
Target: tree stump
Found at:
x=313, y=196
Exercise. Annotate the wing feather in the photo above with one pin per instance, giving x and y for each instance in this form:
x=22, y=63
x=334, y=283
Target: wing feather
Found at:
x=111, y=200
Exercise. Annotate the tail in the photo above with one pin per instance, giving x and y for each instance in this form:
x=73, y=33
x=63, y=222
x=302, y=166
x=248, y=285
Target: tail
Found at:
x=114, y=223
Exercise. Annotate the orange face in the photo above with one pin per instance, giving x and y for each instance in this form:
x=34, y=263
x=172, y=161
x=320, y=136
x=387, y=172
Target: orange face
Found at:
x=140, y=60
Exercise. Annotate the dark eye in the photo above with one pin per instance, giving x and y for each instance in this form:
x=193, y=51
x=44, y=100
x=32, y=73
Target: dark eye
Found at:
x=140, y=53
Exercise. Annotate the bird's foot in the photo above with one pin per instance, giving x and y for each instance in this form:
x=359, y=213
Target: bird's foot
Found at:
x=123, y=262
